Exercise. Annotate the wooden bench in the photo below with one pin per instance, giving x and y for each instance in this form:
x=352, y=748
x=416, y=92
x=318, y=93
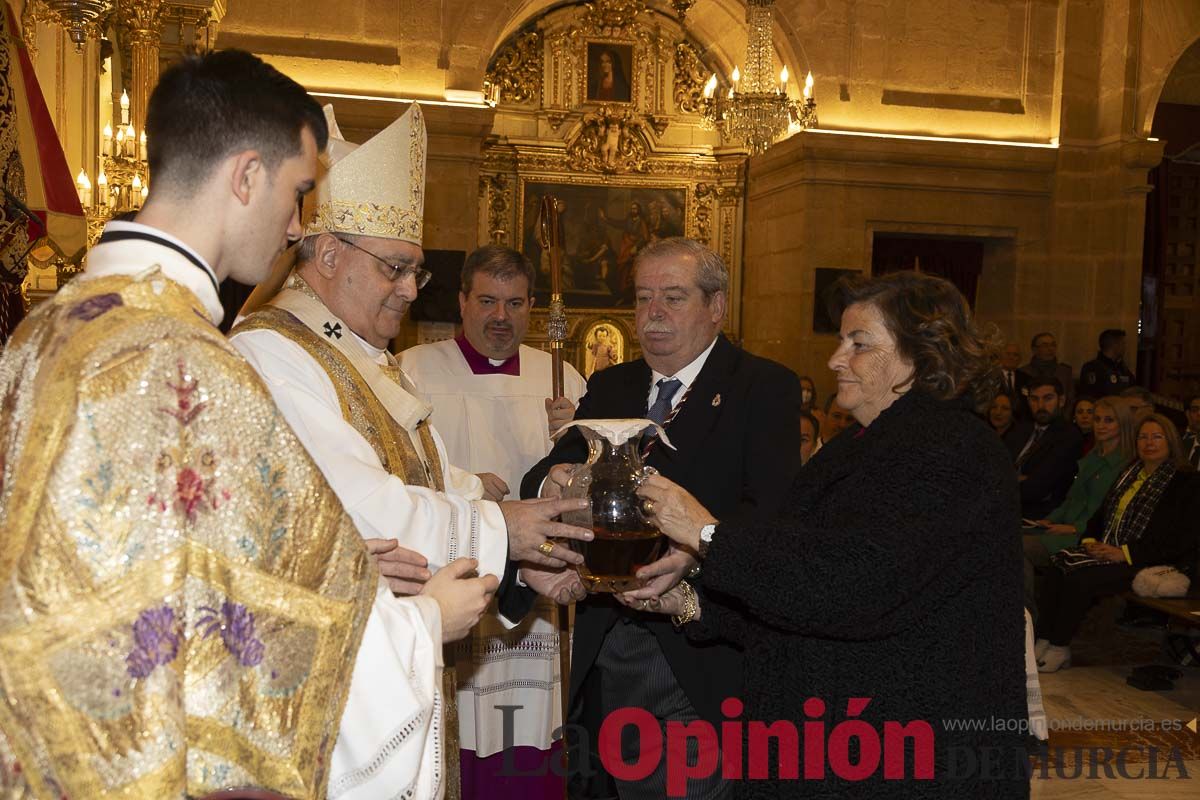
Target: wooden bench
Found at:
x=1179, y=610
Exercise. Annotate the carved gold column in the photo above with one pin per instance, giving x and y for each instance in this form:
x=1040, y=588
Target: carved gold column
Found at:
x=142, y=21
x=189, y=26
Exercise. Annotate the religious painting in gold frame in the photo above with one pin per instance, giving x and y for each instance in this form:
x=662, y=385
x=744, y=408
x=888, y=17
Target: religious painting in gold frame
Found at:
x=603, y=228
x=603, y=346
x=610, y=75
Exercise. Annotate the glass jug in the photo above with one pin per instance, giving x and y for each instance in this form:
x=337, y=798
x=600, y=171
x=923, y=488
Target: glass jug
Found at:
x=625, y=540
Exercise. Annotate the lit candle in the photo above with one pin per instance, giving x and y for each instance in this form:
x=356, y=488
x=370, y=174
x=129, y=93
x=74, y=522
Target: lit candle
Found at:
x=102, y=188
x=142, y=146
x=783, y=76
x=145, y=191
x=808, y=86
x=85, y=189
x=737, y=76
x=119, y=148
x=710, y=87
x=107, y=139
x=124, y=107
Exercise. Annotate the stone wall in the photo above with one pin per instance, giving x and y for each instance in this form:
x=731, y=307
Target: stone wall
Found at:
x=817, y=200
x=1064, y=223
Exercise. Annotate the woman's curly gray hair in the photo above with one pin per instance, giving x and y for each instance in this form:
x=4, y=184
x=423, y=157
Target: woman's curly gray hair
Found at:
x=952, y=355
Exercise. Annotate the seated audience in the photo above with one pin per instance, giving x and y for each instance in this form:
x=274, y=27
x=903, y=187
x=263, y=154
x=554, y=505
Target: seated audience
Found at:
x=810, y=435
x=1000, y=415
x=1106, y=374
x=1140, y=401
x=808, y=395
x=1014, y=382
x=1082, y=417
x=1045, y=364
x=1096, y=473
x=837, y=419
x=1191, y=437
x=1147, y=519
x=1044, y=450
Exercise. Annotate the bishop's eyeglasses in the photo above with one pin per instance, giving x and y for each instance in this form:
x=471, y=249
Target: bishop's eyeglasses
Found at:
x=395, y=272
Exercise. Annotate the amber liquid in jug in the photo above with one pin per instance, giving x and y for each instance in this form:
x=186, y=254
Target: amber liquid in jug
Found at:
x=625, y=539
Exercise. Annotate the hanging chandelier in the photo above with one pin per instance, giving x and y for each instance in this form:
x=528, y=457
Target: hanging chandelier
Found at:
x=756, y=110
x=80, y=18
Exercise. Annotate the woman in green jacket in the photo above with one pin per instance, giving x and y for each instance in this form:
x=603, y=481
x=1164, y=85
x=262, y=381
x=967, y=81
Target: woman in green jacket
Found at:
x=1112, y=426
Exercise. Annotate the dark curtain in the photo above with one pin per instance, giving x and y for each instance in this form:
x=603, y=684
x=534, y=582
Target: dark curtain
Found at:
x=959, y=261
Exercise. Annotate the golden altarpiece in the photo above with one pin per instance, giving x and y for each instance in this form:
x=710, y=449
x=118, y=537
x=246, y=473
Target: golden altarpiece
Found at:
x=598, y=104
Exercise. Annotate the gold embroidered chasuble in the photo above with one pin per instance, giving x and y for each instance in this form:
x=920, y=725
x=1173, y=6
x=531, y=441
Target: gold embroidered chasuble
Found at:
x=181, y=593
x=299, y=315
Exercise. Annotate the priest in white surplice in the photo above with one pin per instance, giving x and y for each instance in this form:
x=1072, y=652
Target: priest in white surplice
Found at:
x=490, y=395
x=320, y=345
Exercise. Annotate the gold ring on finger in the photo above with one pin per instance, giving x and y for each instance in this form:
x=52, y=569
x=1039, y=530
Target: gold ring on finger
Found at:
x=649, y=505
x=546, y=547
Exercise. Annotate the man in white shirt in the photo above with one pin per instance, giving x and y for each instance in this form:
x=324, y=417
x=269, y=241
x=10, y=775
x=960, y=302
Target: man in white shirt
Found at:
x=321, y=347
x=187, y=606
x=490, y=398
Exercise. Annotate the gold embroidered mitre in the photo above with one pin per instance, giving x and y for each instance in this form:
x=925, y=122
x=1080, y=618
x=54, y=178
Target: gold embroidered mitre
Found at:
x=373, y=189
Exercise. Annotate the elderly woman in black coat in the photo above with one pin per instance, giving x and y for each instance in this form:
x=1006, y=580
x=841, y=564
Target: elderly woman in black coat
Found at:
x=889, y=593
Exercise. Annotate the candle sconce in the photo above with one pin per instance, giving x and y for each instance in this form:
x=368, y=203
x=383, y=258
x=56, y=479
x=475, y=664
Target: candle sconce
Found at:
x=124, y=179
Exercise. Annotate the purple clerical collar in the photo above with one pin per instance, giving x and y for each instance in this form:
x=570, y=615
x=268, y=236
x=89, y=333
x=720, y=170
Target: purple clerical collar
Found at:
x=481, y=365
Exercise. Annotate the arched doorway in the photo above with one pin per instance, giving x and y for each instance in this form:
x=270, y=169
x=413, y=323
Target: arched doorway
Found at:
x=1170, y=336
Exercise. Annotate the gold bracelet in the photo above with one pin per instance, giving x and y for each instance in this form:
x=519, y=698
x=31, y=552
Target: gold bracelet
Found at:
x=691, y=606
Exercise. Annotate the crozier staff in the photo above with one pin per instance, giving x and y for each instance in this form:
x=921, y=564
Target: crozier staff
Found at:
x=893, y=572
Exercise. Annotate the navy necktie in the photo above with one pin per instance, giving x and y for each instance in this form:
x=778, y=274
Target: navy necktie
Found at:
x=662, y=404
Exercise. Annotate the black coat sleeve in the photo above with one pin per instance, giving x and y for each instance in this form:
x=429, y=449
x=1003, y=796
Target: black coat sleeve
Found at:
x=1170, y=535
x=772, y=450
x=911, y=535
x=513, y=600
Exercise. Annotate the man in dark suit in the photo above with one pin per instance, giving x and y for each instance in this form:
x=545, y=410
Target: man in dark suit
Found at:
x=1045, y=450
x=733, y=419
x=1014, y=381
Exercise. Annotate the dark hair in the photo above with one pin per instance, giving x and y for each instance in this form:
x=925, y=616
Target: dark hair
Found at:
x=1191, y=399
x=1110, y=336
x=804, y=415
x=1038, y=381
x=1036, y=336
x=951, y=355
x=205, y=108
x=812, y=383
x=1140, y=392
x=502, y=263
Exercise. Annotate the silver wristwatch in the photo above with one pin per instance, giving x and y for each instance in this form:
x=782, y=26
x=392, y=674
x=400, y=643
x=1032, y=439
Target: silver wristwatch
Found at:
x=706, y=537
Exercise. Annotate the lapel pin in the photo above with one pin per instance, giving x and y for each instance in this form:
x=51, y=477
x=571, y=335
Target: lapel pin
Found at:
x=716, y=400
